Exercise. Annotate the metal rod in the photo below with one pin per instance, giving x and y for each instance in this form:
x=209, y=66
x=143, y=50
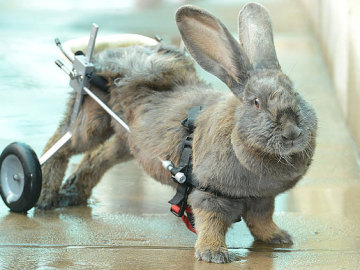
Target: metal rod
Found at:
x=106, y=108
x=91, y=44
x=77, y=82
x=61, y=65
x=64, y=139
x=58, y=44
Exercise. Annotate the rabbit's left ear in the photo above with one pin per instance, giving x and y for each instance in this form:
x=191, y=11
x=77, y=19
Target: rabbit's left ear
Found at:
x=256, y=36
x=213, y=47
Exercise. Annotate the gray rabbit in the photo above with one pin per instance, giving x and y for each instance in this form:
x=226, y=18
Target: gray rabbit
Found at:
x=249, y=144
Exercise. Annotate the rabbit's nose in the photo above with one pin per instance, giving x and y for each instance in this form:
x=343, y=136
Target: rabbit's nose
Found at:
x=291, y=132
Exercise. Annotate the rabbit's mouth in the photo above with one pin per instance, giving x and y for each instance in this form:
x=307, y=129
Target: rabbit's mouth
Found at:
x=292, y=143
x=290, y=147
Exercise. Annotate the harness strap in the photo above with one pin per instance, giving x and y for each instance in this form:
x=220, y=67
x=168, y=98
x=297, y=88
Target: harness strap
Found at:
x=189, y=122
x=179, y=206
x=98, y=81
x=179, y=201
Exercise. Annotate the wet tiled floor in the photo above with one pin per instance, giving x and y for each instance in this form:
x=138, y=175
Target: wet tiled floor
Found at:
x=127, y=224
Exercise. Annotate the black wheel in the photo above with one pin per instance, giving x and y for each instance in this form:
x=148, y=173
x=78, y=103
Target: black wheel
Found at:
x=20, y=177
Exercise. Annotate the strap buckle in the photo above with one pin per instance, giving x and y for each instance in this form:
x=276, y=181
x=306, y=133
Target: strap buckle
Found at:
x=179, y=201
x=187, y=218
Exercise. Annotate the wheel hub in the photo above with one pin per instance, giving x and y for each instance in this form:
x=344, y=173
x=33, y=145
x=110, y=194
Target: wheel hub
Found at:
x=12, y=178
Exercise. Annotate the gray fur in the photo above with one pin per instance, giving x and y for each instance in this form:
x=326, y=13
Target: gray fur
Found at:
x=252, y=144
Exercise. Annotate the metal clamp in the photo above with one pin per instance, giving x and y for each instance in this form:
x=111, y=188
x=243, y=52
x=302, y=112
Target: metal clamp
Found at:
x=178, y=176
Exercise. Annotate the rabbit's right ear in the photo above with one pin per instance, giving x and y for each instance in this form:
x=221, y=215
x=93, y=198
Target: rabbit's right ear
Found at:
x=256, y=36
x=213, y=47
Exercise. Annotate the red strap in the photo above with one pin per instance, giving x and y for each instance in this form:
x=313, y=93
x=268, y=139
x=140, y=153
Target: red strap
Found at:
x=188, y=210
x=184, y=218
x=188, y=223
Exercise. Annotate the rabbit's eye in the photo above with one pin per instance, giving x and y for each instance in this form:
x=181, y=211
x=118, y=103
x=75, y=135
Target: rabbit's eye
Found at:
x=257, y=103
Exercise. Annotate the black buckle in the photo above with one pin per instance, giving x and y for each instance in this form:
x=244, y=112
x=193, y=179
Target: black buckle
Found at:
x=179, y=201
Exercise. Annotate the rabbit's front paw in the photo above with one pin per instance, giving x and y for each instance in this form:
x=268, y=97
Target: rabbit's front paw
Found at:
x=281, y=237
x=220, y=255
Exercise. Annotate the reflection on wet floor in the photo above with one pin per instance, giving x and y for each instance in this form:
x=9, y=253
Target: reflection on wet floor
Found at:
x=127, y=222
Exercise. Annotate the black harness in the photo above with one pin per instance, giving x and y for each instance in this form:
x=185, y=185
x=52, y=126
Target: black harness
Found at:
x=178, y=203
x=179, y=206
x=98, y=81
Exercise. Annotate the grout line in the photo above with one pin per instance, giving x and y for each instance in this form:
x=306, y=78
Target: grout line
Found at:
x=92, y=246
x=279, y=250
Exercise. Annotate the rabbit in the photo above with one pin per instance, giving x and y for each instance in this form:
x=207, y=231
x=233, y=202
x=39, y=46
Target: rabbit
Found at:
x=249, y=144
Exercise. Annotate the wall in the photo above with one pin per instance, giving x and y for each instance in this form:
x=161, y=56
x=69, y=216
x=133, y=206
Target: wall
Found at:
x=337, y=26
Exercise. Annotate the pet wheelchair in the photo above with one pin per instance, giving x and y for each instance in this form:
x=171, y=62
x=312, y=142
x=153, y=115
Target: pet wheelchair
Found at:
x=20, y=167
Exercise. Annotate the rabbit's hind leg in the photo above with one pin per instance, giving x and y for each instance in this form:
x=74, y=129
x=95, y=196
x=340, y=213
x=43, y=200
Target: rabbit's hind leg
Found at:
x=259, y=220
x=77, y=188
x=91, y=128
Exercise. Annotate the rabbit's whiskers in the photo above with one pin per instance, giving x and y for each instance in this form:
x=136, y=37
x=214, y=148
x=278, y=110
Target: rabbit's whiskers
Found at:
x=279, y=148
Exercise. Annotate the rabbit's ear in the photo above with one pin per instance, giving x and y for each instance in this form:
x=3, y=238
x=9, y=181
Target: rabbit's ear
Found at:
x=213, y=47
x=256, y=36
